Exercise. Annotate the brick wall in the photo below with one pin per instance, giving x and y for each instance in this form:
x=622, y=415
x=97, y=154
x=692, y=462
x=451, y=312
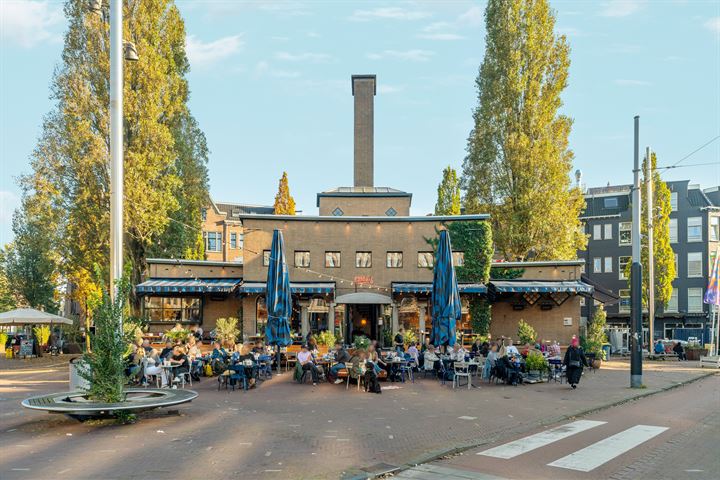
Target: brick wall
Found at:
x=547, y=323
x=364, y=205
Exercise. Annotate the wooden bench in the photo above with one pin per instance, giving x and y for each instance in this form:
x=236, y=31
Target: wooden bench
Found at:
x=661, y=356
x=290, y=355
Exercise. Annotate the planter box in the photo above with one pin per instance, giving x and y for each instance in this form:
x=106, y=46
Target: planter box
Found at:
x=696, y=353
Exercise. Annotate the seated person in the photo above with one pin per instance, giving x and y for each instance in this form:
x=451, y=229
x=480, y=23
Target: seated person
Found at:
x=679, y=351
x=372, y=356
x=492, y=357
x=659, y=348
x=219, y=352
x=167, y=351
x=245, y=360
x=425, y=345
x=146, y=345
x=312, y=344
x=414, y=353
x=306, y=361
x=179, y=358
x=476, y=348
x=399, y=341
x=510, y=349
x=458, y=353
x=259, y=348
x=341, y=357
x=153, y=369
x=554, y=349
x=431, y=361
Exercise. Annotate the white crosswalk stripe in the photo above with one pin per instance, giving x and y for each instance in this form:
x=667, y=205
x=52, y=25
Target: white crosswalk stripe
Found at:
x=591, y=457
x=538, y=440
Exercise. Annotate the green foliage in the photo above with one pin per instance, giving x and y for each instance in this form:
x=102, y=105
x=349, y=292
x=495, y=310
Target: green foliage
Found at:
x=409, y=337
x=480, y=315
x=164, y=153
x=42, y=334
x=284, y=202
x=106, y=372
x=326, y=338
x=226, y=330
x=526, y=333
x=518, y=162
x=448, y=193
x=535, y=361
x=506, y=273
x=7, y=297
x=387, y=337
x=596, y=337
x=3, y=341
x=176, y=336
x=361, y=342
x=663, y=254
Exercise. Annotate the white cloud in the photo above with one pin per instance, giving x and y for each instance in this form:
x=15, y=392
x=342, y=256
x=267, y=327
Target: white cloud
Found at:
x=414, y=55
x=8, y=203
x=441, y=36
x=29, y=23
x=303, y=57
x=386, y=89
x=392, y=13
x=202, y=54
x=632, y=83
x=621, y=8
x=474, y=16
x=438, y=26
x=713, y=24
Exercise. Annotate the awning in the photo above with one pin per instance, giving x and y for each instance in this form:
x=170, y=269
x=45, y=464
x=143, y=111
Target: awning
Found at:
x=427, y=287
x=540, y=286
x=315, y=287
x=363, y=298
x=600, y=293
x=188, y=285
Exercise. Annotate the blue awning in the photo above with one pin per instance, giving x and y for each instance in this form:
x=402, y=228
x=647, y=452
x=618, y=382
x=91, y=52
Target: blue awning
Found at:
x=427, y=288
x=315, y=287
x=539, y=286
x=187, y=285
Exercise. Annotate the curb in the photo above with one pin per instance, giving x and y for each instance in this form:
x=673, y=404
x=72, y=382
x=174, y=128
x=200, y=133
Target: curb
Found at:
x=358, y=474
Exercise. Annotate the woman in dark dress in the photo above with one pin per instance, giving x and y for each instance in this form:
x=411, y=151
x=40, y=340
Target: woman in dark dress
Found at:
x=574, y=362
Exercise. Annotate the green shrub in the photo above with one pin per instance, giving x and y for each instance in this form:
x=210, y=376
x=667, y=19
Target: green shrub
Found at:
x=480, y=315
x=596, y=337
x=176, y=336
x=3, y=341
x=42, y=333
x=326, y=338
x=526, y=333
x=409, y=337
x=361, y=342
x=535, y=361
x=226, y=330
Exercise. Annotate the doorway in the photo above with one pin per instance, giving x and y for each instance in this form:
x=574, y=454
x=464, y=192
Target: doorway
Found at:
x=362, y=320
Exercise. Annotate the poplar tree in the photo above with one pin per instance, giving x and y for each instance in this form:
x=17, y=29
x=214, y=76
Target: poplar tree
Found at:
x=448, y=193
x=284, y=202
x=71, y=161
x=518, y=162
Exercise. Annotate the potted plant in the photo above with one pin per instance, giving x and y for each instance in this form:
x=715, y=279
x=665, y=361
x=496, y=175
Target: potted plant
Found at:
x=526, y=333
x=535, y=365
x=326, y=338
x=409, y=337
x=361, y=342
x=226, y=330
x=387, y=338
x=596, y=338
x=694, y=351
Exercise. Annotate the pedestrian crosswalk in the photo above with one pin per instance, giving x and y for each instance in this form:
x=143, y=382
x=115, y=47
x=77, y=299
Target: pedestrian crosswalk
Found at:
x=586, y=459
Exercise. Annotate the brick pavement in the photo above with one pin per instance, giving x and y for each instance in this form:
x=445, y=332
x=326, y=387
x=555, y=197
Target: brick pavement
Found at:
x=285, y=430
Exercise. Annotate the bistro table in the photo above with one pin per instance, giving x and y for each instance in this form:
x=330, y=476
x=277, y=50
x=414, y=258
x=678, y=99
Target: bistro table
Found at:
x=169, y=372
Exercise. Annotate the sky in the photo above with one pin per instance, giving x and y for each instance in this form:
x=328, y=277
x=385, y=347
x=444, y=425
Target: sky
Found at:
x=270, y=87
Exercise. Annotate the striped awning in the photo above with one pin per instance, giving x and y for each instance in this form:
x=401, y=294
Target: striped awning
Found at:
x=522, y=286
x=315, y=287
x=427, y=287
x=188, y=285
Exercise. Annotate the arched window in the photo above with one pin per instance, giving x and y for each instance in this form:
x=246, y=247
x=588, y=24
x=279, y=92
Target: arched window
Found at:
x=261, y=316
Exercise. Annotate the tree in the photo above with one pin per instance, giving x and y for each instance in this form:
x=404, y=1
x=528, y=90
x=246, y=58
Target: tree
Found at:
x=663, y=254
x=165, y=153
x=518, y=161
x=7, y=297
x=526, y=333
x=284, y=202
x=448, y=193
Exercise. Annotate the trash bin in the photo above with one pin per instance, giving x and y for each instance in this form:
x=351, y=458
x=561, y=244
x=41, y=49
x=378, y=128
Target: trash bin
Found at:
x=606, y=351
x=77, y=382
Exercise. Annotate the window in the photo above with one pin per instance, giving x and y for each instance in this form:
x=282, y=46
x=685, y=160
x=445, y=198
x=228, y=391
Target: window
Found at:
x=608, y=231
x=622, y=263
x=173, y=309
x=338, y=212
x=582, y=268
x=611, y=202
x=394, y=260
x=233, y=240
x=261, y=316
x=625, y=233
x=426, y=260
x=673, y=201
x=694, y=300
x=694, y=267
x=203, y=214
x=694, y=229
x=363, y=259
x=458, y=259
x=241, y=240
x=715, y=229
x=597, y=232
x=302, y=258
x=624, y=305
x=672, y=305
x=391, y=212
x=672, y=227
x=608, y=264
x=213, y=241
x=266, y=258
x=597, y=265
x=332, y=259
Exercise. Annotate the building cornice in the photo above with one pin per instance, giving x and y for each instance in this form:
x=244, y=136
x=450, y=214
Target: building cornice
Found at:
x=330, y=218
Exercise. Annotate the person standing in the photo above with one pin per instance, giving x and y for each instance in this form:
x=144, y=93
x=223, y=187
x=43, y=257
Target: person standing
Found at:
x=574, y=362
x=400, y=341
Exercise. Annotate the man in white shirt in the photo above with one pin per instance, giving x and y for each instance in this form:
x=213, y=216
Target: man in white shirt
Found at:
x=305, y=359
x=511, y=350
x=458, y=353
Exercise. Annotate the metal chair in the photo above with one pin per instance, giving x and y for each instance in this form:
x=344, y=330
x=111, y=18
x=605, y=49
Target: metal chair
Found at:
x=406, y=369
x=460, y=370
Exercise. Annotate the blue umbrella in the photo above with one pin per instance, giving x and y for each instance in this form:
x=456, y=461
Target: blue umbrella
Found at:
x=446, y=307
x=279, y=300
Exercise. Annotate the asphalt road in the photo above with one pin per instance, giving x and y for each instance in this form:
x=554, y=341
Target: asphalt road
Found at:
x=671, y=435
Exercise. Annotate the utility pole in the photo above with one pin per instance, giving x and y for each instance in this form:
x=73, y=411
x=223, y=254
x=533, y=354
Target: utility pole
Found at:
x=636, y=336
x=651, y=257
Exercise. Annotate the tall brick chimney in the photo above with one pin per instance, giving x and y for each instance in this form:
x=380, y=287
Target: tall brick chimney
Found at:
x=363, y=89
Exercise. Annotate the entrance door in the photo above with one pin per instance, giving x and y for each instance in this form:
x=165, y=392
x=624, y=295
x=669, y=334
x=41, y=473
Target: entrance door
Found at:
x=362, y=320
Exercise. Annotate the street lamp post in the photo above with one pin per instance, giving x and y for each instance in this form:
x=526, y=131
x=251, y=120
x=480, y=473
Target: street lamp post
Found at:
x=116, y=146
x=636, y=339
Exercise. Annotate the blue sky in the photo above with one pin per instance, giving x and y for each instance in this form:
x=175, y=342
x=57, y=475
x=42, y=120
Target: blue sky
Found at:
x=270, y=85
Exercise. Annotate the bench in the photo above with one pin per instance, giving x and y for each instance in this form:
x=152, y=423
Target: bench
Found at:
x=661, y=356
x=710, y=361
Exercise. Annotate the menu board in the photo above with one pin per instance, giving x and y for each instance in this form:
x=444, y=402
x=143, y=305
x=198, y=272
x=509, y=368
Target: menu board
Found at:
x=26, y=348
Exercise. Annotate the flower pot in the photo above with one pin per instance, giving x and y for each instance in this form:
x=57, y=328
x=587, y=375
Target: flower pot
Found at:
x=696, y=353
x=596, y=363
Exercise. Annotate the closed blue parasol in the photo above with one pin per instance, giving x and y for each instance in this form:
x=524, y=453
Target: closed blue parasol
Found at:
x=446, y=307
x=279, y=300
